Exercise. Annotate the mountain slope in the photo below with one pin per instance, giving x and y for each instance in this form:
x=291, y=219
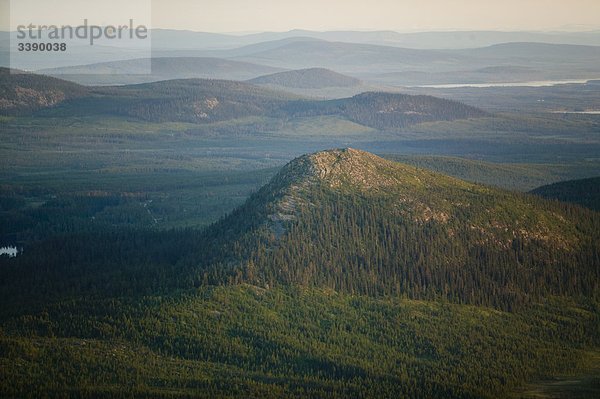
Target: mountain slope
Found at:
x=22, y=92
x=537, y=51
x=367, y=61
x=309, y=53
x=185, y=100
x=246, y=342
x=585, y=192
x=353, y=222
x=312, y=78
x=386, y=110
x=509, y=176
x=163, y=68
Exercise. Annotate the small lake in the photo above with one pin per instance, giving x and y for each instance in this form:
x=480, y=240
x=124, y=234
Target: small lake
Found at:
x=10, y=251
x=577, y=112
x=534, y=83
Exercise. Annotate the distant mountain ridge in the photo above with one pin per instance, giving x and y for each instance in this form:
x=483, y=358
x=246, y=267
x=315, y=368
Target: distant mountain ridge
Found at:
x=534, y=50
x=370, y=62
x=312, y=78
x=339, y=56
x=423, y=40
x=163, y=68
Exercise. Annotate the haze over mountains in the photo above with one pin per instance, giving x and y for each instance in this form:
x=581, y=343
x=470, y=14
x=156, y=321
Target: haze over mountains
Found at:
x=379, y=58
x=163, y=68
x=370, y=61
x=163, y=39
x=170, y=39
x=312, y=78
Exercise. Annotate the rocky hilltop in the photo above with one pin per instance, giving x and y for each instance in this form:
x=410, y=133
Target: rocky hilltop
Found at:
x=349, y=220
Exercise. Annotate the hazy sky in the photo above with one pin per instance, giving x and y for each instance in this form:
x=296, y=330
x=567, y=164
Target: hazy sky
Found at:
x=281, y=15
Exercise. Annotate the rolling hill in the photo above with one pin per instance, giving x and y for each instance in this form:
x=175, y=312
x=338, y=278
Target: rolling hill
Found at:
x=312, y=78
x=386, y=111
x=22, y=93
x=585, y=192
x=207, y=100
x=163, y=68
x=188, y=100
x=302, y=53
x=201, y=101
x=367, y=61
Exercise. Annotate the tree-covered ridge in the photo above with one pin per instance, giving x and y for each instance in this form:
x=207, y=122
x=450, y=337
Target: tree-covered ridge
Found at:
x=204, y=101
x=185, y=100
x=585, y=192
x=22, y=93
x=310, y=78
x=353, y=222
x=386, y=111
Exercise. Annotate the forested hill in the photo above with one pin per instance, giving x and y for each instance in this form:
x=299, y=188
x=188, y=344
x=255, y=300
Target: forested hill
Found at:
x=311, y=78
x=354, y=222
x=387, y=110
x=585, y=192
x=22, y=92
x=184, y=100
x=206, y=101
x=203, y=101
x=187, y=100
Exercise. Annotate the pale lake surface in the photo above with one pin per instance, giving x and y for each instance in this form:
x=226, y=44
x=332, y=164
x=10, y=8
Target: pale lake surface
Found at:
x=10, y=251
x=577, y=112
x=534, y=83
